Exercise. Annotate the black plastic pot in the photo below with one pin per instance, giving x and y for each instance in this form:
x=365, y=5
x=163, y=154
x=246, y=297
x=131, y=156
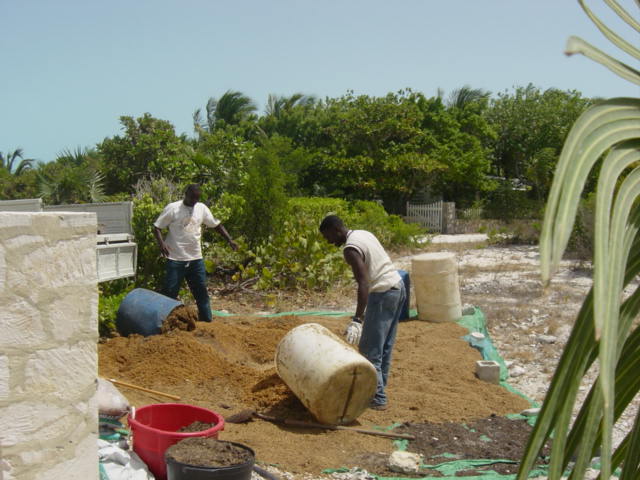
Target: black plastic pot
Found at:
x=182, y=471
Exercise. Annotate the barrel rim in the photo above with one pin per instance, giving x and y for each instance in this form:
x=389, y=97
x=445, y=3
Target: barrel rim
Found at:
x=136, y=424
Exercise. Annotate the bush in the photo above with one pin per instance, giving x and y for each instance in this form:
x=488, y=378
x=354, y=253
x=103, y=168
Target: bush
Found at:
x=297, y=256
x=107, y=309
x=265, y=200
x=581, y=241
x=508, y=204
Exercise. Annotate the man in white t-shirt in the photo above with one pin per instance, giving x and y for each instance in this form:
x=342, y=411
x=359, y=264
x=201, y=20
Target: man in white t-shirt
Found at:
x=182, y=248
x=381, y=293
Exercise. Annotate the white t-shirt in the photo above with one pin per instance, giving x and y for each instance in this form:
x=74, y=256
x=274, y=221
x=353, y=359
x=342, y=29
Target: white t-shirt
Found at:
x=382, y=273
x=183, y=239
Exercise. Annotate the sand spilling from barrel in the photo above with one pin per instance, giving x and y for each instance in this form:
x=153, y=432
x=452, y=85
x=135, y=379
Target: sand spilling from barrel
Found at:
x=228, y=366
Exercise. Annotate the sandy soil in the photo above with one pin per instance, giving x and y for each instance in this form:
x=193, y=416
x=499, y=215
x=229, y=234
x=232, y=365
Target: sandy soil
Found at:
x=528, y=324
x=228, y=366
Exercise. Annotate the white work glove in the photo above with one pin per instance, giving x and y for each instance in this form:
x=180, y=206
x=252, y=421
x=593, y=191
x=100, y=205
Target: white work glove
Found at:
x=354, y=331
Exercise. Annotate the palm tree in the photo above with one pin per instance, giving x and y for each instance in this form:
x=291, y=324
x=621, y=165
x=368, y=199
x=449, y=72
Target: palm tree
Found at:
x=73, y=177
x=230, y=109
x=277, y=105
x=605, y=137
x=7, y=162
x=463, y=96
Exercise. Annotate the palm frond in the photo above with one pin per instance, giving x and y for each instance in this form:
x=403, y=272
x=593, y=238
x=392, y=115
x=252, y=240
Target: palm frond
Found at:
x=606, y=135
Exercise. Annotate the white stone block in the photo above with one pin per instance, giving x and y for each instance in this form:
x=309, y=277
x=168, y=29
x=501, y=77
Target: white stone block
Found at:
x=4, y=377
x=15, y=219
x=24, y=240
x=22, y=421
x=48, y=354
x=21, y=326
x=81, y=465
x=73, y=314
x=488, y=371
x=3, y=272
x=63, y=372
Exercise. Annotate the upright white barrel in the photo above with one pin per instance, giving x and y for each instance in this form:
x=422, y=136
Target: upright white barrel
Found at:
x=435, y=281
x=329, y=377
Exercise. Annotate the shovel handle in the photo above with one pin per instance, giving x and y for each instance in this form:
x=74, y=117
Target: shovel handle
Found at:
x=143, y=389
x=300, y=423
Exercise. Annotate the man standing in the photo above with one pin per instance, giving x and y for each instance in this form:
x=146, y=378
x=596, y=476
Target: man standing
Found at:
x=381, y=294
x=182, y=247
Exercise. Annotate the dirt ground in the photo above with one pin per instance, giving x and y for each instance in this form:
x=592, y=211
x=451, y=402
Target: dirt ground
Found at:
x=209, y=452
x=492, y=438
x=227, y=366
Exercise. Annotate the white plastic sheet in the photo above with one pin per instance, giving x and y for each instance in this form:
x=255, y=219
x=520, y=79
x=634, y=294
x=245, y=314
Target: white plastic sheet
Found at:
x=119, y=464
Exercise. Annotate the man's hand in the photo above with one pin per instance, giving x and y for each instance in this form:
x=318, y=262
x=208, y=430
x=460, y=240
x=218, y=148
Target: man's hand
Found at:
x=353, y=332
x=233, y=245
x=164, y=250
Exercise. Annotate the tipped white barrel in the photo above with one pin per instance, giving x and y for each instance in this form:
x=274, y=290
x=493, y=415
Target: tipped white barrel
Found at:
x=329, y=377
x=435, y=281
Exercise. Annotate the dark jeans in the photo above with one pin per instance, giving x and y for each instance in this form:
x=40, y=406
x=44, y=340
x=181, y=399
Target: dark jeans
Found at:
x=379, y=334
x=196, y=276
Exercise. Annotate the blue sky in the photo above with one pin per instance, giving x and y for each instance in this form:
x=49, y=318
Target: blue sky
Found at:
x=71, y=68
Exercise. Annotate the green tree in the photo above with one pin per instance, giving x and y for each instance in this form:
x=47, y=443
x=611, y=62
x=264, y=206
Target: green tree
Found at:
x=277, y=106
x=148, y=147
x=13, y=187
x=527, y=122
x=221, y=159
x=265, y=200
x=231, y=108
x=73, y=177
x=15, y=163
x=463, y=96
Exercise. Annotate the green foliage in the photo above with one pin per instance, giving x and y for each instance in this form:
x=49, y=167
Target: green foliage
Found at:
x=508, y=203
x=604, y=138
x=265, y=201
x=74, y=177
x=14, y=162
x=13, y=187
x=297, y=256
x=581, y=241
x=532, y=125
x=221, y=161
x=107, y=309
x=148, y=147
x=232, y=108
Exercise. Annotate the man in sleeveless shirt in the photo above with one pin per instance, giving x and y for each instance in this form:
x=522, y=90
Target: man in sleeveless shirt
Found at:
x=182, y=248
x=381, y=294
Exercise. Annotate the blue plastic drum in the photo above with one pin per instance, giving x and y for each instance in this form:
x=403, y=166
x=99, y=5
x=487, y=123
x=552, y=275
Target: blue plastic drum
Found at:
x=142, y=311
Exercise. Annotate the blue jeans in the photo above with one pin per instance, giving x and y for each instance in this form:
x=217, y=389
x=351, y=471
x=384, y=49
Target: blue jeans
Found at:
x=379, y=334
x=196, y=276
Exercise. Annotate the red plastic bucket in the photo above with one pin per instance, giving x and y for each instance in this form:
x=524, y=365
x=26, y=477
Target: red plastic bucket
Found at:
x=155, y=428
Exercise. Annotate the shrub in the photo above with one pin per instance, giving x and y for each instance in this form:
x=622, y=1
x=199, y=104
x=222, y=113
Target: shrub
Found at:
x=107, y=309
x=297, y=256
x=507, y=204
x=581, y=240
x=265, y=201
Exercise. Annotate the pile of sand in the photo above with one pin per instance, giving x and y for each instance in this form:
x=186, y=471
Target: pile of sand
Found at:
x=228, y=366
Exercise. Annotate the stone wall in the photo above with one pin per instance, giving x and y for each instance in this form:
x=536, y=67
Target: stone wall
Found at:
x=48, y=346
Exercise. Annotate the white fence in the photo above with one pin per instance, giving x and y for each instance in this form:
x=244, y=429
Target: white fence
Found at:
x=428, y=215
x=21, y=205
